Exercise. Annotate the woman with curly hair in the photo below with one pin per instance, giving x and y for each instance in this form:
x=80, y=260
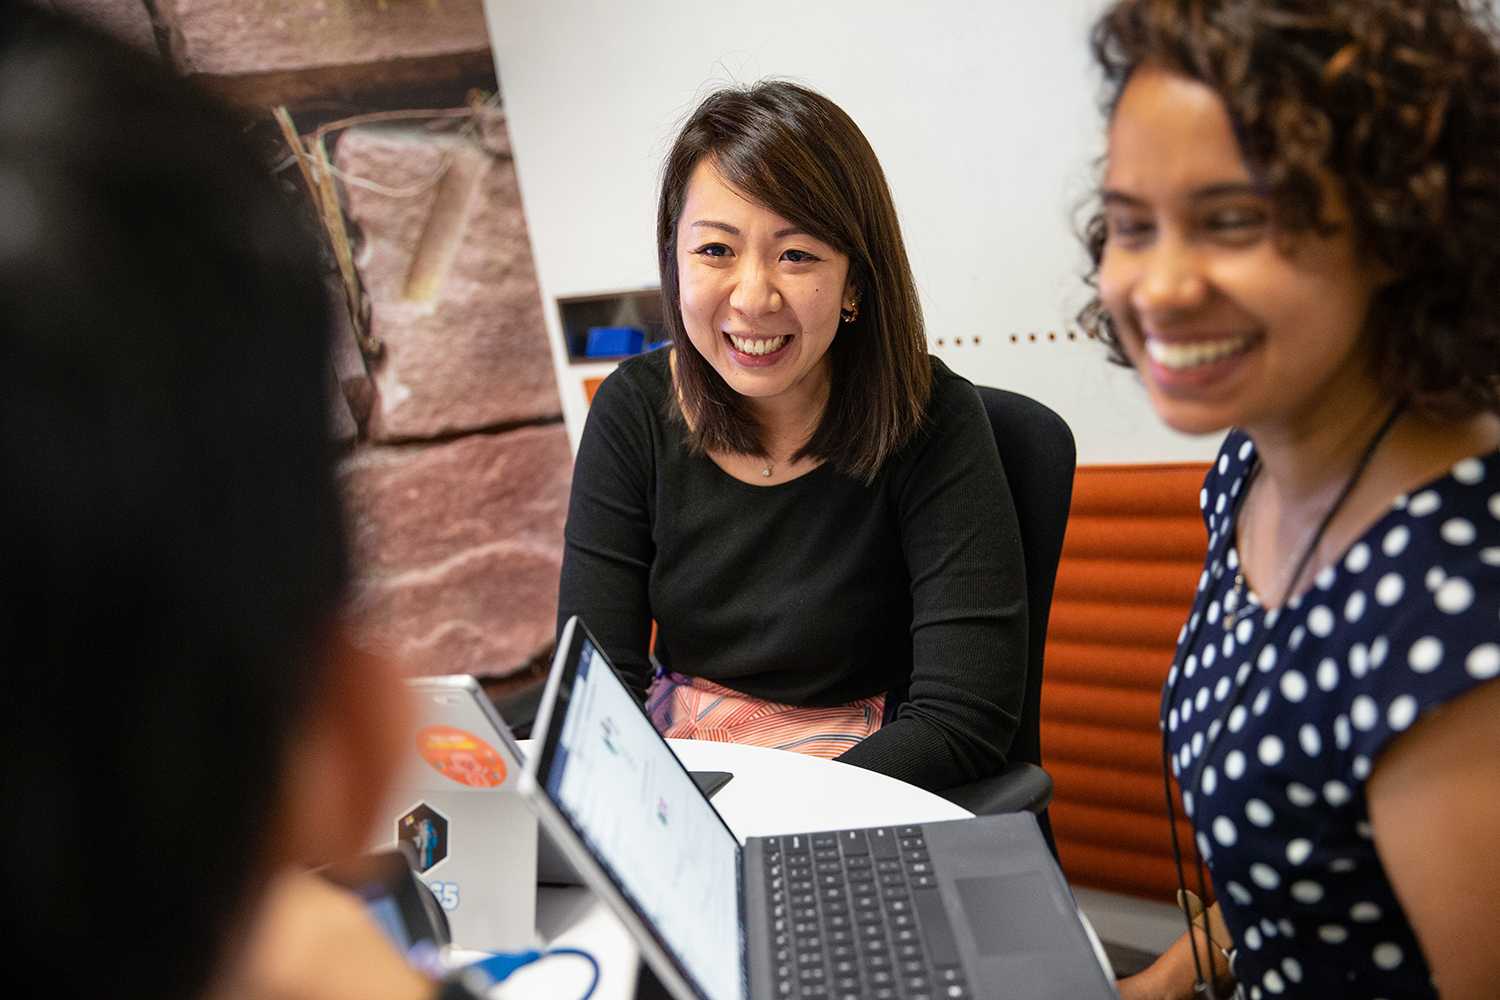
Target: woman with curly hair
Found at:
x=1299, y=240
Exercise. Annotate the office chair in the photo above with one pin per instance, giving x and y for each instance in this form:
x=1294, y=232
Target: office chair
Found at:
x=1036, y=448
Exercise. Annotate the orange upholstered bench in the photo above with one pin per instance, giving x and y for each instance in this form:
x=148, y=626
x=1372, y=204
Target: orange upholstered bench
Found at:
x=1130, y=566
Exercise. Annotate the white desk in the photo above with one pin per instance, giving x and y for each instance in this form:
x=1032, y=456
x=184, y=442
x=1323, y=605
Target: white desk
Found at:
x=772, y=792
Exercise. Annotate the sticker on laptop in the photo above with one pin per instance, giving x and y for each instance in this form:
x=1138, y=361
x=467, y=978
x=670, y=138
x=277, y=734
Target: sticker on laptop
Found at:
x=461, y=756
x=424, y=831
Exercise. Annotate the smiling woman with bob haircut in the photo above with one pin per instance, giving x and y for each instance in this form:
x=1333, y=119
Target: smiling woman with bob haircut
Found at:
x=809, y=506
x=1300, y=241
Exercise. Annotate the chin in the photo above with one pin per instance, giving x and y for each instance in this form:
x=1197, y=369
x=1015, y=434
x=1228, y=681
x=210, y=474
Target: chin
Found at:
x=1190, y=417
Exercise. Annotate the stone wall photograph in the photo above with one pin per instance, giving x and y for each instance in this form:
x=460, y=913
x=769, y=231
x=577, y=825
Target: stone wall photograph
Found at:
x=456, y=464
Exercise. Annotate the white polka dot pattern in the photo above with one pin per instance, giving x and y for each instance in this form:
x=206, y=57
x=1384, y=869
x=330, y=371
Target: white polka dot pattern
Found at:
x=1469, y=471
x=1358, y=558
x=1426, y=654
x=1279, y=717
x=1332, y=933
x=1483, y=662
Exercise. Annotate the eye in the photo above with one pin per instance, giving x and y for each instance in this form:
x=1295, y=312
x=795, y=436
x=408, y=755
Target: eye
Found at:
x=1232, y=219
x=714, y=250
x=799, y=257
x=1128, y=229
x=1238, y=225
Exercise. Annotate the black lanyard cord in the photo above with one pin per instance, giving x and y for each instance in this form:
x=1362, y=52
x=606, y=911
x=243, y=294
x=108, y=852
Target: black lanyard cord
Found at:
x=1203, y=986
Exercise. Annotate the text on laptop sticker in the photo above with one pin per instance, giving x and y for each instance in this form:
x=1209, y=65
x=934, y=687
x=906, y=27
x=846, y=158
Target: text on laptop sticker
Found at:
x=461, y=756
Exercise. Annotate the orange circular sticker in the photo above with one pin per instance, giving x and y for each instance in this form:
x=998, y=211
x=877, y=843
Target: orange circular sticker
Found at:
x=461, y=756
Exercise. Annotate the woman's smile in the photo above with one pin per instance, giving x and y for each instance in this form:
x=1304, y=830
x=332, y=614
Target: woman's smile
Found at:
x=757, y=350
x=1188, y=355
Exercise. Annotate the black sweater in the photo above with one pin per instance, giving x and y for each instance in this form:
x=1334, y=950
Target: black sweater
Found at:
x=817, y=591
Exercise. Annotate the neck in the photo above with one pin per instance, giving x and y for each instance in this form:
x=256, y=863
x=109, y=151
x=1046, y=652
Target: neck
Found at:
x=1305, y=469
x=1307, y=456
x=1308, y=460
x=789, y=420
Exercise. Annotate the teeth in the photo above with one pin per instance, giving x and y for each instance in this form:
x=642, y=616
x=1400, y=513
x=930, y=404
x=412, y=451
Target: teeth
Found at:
x=756, y=347
x=1194, y=353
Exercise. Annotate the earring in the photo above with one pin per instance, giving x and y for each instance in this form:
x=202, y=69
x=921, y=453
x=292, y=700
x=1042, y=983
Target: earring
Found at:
x=851, y=314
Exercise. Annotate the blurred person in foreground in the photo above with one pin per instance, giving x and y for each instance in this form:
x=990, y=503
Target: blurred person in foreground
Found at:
x=1300, y=241
x=182, y=726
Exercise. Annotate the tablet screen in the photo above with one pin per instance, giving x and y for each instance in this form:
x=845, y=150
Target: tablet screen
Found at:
x=639, y=812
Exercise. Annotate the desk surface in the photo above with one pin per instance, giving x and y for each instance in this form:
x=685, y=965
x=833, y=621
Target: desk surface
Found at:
x=772, y=792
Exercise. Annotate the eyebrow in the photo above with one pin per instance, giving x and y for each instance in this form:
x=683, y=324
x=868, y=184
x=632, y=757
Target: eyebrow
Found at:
x=726, y=228
x=1209, y=191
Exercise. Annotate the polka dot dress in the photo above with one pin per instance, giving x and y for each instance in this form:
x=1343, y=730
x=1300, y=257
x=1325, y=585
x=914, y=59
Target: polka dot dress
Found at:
x=1278, y=717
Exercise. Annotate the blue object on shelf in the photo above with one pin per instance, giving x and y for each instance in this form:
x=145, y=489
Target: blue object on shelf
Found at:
x=612, y=341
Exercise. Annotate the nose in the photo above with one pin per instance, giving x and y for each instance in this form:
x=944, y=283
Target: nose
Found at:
x=1170, y=279
x=755, y=291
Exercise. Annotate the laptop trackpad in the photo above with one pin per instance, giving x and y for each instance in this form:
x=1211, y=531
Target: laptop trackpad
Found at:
x=1003, y=911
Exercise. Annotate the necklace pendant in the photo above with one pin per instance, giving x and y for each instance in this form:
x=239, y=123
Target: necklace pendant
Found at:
x=1232, y=612
x=767, y=473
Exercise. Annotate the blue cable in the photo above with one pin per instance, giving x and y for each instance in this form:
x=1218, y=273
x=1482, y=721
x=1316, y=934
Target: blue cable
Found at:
x=498, y=967
x=586, y=957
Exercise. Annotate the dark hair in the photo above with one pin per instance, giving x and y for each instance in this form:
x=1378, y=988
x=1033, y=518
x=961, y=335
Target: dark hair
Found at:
x=1400, y=101
x=798, y=154
x=170, y=536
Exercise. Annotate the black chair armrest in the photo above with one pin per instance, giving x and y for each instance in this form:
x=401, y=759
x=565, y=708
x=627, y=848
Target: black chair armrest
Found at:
x=519, y=707
x=1020, y=787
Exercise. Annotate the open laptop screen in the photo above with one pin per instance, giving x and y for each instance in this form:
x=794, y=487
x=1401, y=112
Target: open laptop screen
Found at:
x=643, y=818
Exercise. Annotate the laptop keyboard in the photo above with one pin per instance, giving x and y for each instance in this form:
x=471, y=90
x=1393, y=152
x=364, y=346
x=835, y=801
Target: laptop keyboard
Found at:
x=856, y=915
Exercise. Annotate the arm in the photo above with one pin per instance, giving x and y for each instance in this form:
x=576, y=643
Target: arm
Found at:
x=311, y=940
x=1171, y=977
x=608, y=548
x=968, y=586
x=1434, y=803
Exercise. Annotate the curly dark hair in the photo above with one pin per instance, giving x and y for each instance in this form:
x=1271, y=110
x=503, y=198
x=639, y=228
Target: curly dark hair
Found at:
x=1400, y=101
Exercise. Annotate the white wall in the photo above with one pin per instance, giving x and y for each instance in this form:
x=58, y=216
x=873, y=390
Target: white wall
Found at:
x=983, y=114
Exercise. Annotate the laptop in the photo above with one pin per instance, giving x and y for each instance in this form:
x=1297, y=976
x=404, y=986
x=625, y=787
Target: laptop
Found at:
x=968, y=908
x=454, y=812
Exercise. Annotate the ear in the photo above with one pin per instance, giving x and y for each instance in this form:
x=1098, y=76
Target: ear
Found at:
x=852, y=295
x=340, y=761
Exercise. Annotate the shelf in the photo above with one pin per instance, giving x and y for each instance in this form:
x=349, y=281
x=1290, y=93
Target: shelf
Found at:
x=637, y=310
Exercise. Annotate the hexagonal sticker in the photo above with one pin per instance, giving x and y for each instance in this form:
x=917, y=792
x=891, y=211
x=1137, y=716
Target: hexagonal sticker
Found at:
x=425, y=831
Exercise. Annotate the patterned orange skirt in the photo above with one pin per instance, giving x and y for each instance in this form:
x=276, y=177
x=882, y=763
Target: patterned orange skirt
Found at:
x=692, y=708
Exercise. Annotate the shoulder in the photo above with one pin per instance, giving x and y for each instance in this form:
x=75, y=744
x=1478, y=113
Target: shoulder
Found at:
x=639, y=382
x=1434, y=559
x=629, y=415
x=1410, y=610
x=955, y=443
x=634, y=400
x=1223, y=482
x=954, y=399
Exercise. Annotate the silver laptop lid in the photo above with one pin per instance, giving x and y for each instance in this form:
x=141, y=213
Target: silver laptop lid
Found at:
x=626, y=798
x=456, y=809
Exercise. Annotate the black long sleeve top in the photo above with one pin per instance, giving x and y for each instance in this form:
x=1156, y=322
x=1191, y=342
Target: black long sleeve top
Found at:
x=817, y=591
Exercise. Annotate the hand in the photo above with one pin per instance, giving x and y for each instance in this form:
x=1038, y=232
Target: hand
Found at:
x=311, y=940
x=1152, y=984
x=1171, y=976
